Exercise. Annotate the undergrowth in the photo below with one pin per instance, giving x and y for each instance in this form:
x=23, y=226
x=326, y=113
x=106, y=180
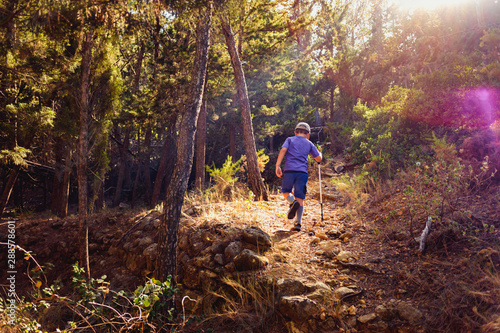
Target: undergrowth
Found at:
x=461, y=244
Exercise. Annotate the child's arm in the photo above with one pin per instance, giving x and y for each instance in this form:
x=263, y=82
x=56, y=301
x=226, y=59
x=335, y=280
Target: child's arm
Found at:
x=319, y=158
x=281, y=155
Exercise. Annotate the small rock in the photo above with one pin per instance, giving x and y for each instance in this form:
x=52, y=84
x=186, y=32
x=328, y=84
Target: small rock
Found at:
x=219, y=258
x=352, y=310
x=347, y=235
x=333, y=233
x=285, y=248
x=409, y=313
x=123, y=205
x=331, y=247
x=344, y=256
x=343, y=291
x=367, y=318
x=383, y=313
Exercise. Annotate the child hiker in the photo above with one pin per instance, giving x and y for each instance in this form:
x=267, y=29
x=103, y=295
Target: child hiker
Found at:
x=296, y=149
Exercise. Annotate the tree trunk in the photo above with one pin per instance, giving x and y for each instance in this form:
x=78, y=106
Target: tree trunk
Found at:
x=60, y=185
x=169, y=227
x=123, y=165
x=167, y=160
x=9, y=185
x=135, y=87
x=138, y=173
x=254, y=176
x=146, y=162
x=83, y=103
x=201, y=140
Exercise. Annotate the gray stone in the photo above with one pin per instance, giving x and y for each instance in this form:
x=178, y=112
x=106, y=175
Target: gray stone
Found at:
x=249, y=260
x=320, y=295
x=219, y=258
x=145, y=242
x=318, y=285
x=367, y=318
x=409, y=313
x=343, y=291
x=384, y=313
x=232, y=250
x=290, y=287
x=298, y=308
x=258, y=238
x=151, y=251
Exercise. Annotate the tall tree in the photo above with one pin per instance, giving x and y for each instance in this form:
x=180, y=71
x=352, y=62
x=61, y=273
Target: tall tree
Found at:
x=169, y=227
x=254, y=177
x=201, y=139
x=83, y=102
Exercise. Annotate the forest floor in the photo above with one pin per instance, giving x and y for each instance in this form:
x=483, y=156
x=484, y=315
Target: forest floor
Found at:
x=455, y=283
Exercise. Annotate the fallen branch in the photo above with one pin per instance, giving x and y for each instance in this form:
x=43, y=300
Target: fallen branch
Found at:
x=422, y=239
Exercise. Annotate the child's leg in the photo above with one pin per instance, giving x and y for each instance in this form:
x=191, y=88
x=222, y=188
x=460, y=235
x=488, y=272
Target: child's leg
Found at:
x=286, y=187
x=300, y=194
x=288, y=197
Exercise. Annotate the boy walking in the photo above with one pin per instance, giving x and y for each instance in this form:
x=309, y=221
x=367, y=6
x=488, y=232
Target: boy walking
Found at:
x=296, y=149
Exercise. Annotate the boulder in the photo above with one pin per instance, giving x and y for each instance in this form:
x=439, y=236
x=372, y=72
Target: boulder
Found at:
x=290, y=287
x=257, y=237
x=232, y=250
x=249, y=260
x=298, y=308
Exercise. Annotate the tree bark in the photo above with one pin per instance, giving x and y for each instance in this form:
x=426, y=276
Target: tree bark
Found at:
x=201, y=141
x=254, y=177
x=60, y=185
x=9, y=185
x=123, y=165
x=147, y=164
x=169, y=227
x=167, y=160
x=83, y=139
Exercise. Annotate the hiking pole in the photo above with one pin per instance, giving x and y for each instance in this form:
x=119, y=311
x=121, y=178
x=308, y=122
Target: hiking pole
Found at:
x=319, y=175
x=320, y=191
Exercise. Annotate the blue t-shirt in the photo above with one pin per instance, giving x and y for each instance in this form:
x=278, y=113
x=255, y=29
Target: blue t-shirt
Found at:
x=298, y=148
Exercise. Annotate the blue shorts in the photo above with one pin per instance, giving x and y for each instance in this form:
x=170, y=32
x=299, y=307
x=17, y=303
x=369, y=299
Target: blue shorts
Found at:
x=297, y=181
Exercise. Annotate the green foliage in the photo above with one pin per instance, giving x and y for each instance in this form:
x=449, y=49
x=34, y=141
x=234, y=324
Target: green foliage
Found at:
x=15, y=156
x=384, y=137
x=88, y=291
x=226, y=175
x=153, y=297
